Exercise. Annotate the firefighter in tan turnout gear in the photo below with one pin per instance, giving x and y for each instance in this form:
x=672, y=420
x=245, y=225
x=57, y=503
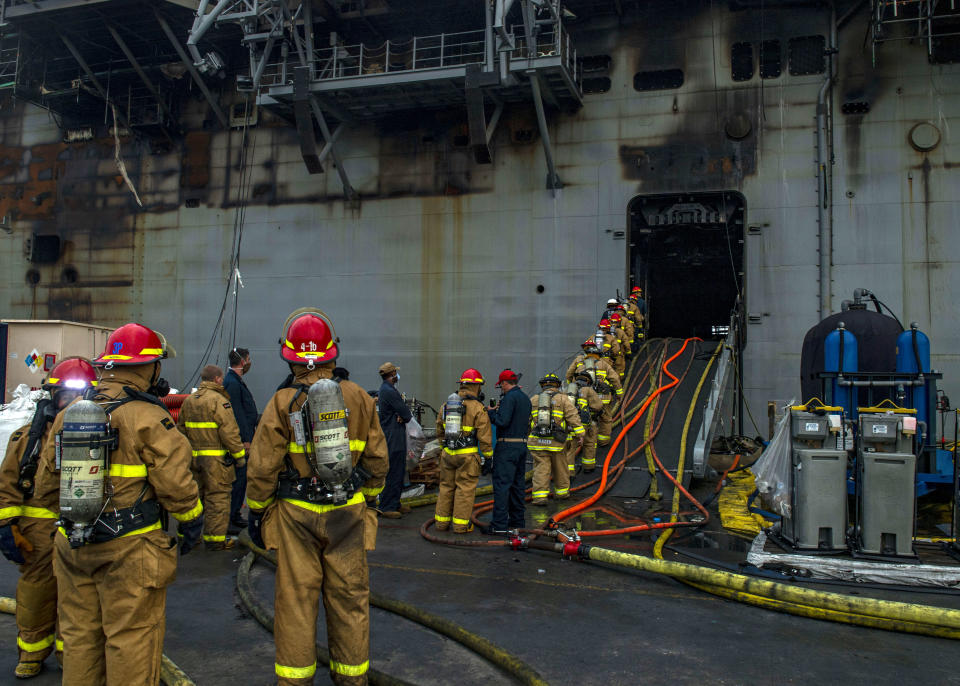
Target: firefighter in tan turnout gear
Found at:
x=207, y=420
x=606, y=382
x=590, y=407
x=463, y=428
x=27, y=520
x=317, y=461
x=554, y=420
x=118, y=461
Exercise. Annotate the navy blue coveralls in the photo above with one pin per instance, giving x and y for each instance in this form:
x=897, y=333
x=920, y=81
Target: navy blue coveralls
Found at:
x=245, y=411
x=512, y=419
x=392, y=407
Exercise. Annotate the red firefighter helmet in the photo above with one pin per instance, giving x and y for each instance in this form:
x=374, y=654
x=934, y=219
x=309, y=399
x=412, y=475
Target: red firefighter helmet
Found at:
x=615, y=318
x=604, y=324
x=75, y=373
x=309, y=338
x=589, y=343
x=134, y=344
x=471, y=376
x=636, y=289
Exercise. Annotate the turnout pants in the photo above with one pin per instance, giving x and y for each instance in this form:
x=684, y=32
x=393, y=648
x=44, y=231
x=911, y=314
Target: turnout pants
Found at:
x=215, y=480
x=320, y=554
x=458, y=488
x=605, y=424
x=588, y=456
x=545, y=464
x=37, y=593
x=238, y=492
x=509, y=470
x=112, y=608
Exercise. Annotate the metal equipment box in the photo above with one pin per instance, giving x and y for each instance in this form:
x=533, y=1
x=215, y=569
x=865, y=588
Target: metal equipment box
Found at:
x=886, y=487
x=818, y=513
x=30, y=348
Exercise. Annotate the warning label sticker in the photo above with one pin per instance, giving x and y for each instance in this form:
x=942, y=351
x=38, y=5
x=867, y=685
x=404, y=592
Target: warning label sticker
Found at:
x=33, y=361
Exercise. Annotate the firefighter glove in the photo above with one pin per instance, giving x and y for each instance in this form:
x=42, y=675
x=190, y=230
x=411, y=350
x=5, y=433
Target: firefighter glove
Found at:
x=253, y=528
x=8, y=545
x=189, y=533
x=486, y=466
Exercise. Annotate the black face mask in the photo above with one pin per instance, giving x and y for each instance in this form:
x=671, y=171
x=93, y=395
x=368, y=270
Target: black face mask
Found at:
x=481, y=397
x=161, y=388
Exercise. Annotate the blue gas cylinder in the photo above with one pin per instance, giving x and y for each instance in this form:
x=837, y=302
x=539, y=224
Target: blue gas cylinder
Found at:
x=840, y=355
x=913, y=357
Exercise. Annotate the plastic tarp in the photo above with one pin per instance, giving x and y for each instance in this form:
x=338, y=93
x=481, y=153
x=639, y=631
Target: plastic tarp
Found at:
x=17, y=412
x=772, y=470
x=416, y=440
x=847, y=569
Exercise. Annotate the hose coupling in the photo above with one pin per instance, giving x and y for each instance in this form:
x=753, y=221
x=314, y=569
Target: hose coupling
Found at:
x=571, y=550
x=519, y=543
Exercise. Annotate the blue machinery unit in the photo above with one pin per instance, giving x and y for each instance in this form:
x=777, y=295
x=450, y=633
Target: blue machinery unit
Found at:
x=912, y=385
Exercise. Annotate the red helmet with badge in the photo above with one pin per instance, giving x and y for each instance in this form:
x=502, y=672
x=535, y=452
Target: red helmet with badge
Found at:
x=471, y=375
x=616, y=318
x=604, y=324
x=309, y=338
x=74, y=373
x=590, y=345
x=134, y=344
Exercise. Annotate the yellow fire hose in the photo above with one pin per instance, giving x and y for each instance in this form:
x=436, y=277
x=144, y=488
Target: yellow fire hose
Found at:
x=170, y=674
x=509, y=663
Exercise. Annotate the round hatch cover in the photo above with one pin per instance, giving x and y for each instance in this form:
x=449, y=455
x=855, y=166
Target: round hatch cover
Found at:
x=924, y=136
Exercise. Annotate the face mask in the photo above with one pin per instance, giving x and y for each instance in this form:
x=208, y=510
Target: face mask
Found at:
x=64, y=398
x=161, y=388
x=246, y=367
x=481, y=397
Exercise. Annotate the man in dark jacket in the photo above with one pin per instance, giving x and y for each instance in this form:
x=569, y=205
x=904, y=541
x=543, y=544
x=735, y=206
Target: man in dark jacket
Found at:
x=512, y=419
x=394, y=414
x=245, y=410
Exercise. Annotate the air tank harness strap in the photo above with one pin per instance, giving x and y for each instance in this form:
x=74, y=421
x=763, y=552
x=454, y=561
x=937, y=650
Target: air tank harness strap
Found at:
x=45, y=413
x=310, y=489
x=118, y=523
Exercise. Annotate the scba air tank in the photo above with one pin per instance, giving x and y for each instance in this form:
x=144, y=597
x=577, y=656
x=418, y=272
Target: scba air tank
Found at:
x=840, y=355
x=913, y=357
x=452, y=417
x=598, y=339
x=82, y=447
x=331, y=440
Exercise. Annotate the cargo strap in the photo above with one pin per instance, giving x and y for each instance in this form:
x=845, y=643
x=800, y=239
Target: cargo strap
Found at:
x=117, y=523
x=310, y=489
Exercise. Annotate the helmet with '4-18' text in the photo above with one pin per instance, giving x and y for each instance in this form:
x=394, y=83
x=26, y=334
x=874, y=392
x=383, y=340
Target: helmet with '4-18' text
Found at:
x=309, y=338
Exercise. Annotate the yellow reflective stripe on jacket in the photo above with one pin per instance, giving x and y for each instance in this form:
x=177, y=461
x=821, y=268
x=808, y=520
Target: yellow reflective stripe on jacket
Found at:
x=128, y=471
x=201, y=425
x=576, y=431
x=211, y=452
x=371, y=491
x=349, y=670
x=619, y=391
x=487, y=453
x=260, y=504
x=547, y=448
x=150, y=527
x=39, y=513
x=461, y=451
x=42, y=644
x=237, y=455
x=441, y=518
x=12, y=511
x=295, y=672
x=466, y=429
x=192, y=513
x=356, y=499
x=296, y=448
x=357, y=446
x=59, y=645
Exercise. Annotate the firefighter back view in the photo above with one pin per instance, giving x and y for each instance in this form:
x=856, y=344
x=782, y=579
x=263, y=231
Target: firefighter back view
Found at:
x=463, y=427
x=606, y=382
x=317, y=461
x=27, y=519
x=207, y=420
x=118, y=462
x=553, y=420
x=590, y=407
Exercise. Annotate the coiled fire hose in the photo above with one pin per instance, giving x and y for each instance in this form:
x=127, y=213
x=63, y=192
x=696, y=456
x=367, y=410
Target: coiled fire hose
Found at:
x=507, y=662
x=170, y=674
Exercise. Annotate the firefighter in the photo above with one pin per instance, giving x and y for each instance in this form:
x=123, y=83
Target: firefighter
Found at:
x=463, y=428
x=310, y=478
x=625, y=341
x=112, y=573
x=207, y=420
x=27, y=520
x=590, y=407
x=554, y=420
x=638, y=306
x=611, y=347
x=628, y=326
x=606, y=382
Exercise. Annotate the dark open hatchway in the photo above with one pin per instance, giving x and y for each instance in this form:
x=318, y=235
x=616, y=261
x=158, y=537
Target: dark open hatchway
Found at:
x=686, y=252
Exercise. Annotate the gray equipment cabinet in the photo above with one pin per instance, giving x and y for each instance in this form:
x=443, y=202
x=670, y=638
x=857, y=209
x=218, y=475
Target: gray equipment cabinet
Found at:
x=818, y=516
x=886, y=485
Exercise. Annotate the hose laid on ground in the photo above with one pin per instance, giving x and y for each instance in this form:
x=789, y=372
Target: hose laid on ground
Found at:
x=871, y=612
x=170, y=674
x=509, y=663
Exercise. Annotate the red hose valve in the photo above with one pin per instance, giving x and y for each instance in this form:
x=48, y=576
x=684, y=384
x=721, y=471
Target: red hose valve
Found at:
x=571, y=550
x=518, y=543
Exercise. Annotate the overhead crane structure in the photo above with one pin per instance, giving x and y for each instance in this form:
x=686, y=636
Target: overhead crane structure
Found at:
x=302, y=68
